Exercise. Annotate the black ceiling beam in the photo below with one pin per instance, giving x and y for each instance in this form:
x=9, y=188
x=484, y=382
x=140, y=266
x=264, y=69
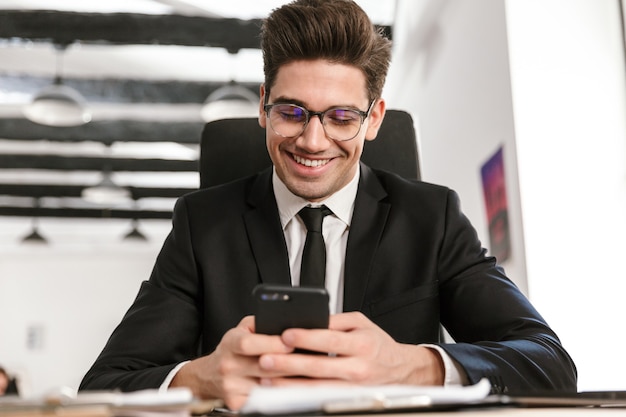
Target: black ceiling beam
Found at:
x=133, y=28
x=115, y=90
x=106, y=131
x=84, y=163
x=129, y=28
x=92, y=213
x=57, y=190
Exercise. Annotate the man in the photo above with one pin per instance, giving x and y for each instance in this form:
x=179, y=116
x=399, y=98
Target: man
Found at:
x=4, y=381
x=401, y=256
x=7, y=384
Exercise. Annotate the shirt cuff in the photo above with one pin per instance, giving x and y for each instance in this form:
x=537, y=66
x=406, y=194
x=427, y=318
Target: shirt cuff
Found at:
x=453, y=372
x=168, y=380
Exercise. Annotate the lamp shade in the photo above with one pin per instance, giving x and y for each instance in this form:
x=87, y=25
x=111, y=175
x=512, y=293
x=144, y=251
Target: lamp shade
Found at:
x=135, y=234
x=107, y=192
x=230, y=101
x=34, y=237
x=58, y=105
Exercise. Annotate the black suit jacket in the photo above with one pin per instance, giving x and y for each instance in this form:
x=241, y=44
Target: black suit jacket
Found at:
x=413, y=260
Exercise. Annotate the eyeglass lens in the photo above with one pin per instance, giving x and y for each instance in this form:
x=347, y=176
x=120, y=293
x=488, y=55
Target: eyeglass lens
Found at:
x=289, y=120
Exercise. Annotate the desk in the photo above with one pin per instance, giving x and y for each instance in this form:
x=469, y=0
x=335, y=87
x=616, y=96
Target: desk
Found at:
x=497, y=412
x=509, y=412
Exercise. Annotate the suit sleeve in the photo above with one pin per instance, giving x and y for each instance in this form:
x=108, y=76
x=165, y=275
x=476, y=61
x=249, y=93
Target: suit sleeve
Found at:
x=499, y=335
x=161, y=328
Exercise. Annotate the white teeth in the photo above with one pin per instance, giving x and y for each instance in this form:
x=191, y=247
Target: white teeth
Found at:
x=311, y=163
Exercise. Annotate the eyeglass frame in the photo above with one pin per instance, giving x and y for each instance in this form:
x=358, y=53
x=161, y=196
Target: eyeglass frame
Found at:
x=320, y=115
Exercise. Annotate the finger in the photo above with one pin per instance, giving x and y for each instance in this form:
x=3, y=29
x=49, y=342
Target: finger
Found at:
x=339, y=343
x=252, y=344
x=235, y=401
x=247, y=323
x=296, y=381
x=348, y=321
x=241, y=373
x=304, y=365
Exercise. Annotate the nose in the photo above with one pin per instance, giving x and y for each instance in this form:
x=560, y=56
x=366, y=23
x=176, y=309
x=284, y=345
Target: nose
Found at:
x=314, y=139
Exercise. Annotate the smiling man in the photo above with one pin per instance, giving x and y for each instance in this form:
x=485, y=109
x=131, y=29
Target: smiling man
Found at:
x=401, y=257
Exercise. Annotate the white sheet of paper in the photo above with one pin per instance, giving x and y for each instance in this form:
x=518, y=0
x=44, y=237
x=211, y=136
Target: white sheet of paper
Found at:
x=336, y=398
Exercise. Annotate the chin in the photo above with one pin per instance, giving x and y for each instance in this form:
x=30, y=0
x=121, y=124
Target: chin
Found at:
x=307, y=192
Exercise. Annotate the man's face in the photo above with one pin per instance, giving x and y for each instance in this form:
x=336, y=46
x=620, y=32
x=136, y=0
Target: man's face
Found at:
x=312, y=165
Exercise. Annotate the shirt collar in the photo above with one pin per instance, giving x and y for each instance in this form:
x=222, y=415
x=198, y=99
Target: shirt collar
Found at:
x=340, y=203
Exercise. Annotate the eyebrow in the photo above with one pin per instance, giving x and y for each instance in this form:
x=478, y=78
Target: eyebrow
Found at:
x=290, y=100
x=284, y=99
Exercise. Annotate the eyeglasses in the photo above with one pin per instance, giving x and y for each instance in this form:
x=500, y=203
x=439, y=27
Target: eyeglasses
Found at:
x=289, y=120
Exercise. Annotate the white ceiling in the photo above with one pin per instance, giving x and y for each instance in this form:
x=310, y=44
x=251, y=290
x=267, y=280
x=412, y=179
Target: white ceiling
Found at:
x=135, y=62
x=145, y=61
x=381, y=11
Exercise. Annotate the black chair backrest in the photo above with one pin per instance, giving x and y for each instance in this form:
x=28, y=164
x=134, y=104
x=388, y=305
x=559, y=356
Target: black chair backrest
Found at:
x=235, y=148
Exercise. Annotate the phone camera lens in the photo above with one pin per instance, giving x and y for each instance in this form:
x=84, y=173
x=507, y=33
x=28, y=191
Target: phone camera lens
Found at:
x=275, y=296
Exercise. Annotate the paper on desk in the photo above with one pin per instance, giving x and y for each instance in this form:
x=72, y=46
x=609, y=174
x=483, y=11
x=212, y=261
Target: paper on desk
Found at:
x=176, y=402
x=341, y=398
x=142, y=398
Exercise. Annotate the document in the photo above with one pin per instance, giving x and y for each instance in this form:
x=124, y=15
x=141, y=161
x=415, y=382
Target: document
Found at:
x=341, y=398
x=176, y=402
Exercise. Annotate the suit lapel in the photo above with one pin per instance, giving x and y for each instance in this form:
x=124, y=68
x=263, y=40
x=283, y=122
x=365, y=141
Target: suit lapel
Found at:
x=265, y=232
x=368, y=222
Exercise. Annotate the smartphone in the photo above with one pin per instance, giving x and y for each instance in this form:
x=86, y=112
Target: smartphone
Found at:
x=278, y=308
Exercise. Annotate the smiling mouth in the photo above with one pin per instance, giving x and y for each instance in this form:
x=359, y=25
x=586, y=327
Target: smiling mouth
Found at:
x=310, y=162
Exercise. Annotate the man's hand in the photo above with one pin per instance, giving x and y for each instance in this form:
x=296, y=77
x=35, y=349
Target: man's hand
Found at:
x=230, y=372
x=362, y=353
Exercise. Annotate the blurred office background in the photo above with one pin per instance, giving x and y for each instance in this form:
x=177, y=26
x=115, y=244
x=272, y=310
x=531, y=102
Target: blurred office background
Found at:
x=542, y=81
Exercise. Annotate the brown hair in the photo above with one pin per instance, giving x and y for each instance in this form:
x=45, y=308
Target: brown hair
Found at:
x=335, y=30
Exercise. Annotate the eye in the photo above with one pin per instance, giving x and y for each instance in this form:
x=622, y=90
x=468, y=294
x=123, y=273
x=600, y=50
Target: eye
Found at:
x=290, y=113
x=343, y=116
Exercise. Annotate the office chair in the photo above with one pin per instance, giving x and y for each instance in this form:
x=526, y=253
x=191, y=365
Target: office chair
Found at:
x=235, y=148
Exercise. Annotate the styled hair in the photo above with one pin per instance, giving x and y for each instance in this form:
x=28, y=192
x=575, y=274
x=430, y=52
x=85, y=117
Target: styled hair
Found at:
x=335, y=30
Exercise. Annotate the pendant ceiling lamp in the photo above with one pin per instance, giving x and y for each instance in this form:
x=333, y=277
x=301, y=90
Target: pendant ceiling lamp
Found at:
x=34, y=236
x=107, y=192
x=58, y=104
x=230, y=100
x=135, y=234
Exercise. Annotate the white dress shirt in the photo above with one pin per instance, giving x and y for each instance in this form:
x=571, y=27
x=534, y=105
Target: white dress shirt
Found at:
x=335, y=230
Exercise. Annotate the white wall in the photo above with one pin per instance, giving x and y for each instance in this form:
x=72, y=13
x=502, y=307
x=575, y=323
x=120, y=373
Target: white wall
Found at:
x=450, y=70
x=569, y=90
x=66, y=296
x=560, y=112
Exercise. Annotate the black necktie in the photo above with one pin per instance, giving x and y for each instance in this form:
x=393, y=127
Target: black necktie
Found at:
x=313, y=269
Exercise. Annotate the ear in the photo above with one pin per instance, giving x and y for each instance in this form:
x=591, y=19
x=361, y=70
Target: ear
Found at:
x=262, y=116
x=377, y=114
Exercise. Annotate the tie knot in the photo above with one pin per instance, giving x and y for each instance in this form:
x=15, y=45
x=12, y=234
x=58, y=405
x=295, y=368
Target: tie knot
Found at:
x=313, y=217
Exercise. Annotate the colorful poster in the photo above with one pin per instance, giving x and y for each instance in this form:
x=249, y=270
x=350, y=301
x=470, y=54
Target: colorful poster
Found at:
x=494, y=190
